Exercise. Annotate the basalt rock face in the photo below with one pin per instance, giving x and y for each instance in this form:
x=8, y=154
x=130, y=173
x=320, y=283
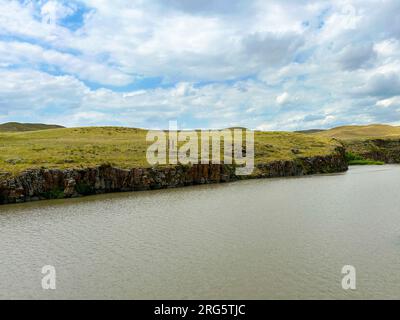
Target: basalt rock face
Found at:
x=304, y=166
x=52, y=184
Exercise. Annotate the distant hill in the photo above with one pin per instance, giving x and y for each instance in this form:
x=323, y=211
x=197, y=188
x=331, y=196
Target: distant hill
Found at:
x=378, y=131
x=310, y=131
x=22, y=127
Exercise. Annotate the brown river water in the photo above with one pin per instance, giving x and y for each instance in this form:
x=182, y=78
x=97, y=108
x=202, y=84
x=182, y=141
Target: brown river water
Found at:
x=262, y=239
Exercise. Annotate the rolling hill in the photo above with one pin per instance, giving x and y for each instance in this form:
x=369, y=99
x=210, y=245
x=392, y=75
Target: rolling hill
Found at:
x=310, y=131
x=23, y=127
x=374, y=131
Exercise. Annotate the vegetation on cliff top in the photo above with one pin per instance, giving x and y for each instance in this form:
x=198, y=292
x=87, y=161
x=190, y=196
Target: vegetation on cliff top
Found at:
x=125, y=148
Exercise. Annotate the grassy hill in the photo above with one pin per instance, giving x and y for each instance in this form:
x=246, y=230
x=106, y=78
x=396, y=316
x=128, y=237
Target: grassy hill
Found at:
x=29, y=146
x=375, y=131
x=125, y=147
x=23, y=127
x=310, y=131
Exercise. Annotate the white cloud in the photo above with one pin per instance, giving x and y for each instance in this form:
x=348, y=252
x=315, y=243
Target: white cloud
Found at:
x=386, y=103
x=283, y=98
x=82, y=67
x=53, y=11
x=354, y=57
x=220, y=62
x=28, y=93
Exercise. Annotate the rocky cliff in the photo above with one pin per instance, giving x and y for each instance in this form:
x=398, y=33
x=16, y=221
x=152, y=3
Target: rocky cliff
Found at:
x=386, y=150
x=41, y=184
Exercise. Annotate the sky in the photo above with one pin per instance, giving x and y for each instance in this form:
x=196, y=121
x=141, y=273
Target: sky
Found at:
x=267, y=65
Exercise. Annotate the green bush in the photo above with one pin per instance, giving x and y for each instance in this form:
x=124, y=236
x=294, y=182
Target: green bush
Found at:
x=357, y=160
x=57, y=193
x=84, y=189
x=353, y=157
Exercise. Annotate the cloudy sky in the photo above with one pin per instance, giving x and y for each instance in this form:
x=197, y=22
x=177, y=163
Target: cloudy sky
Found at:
x=271, y=65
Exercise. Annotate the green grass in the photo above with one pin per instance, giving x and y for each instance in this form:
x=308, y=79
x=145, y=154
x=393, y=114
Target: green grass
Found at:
x=126, y=148
x=353, y=157
x=356, y=160
x=365, y=162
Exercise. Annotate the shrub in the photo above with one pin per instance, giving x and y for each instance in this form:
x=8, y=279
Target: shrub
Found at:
x=57, y=193
x=84, y=189
x=353, y=157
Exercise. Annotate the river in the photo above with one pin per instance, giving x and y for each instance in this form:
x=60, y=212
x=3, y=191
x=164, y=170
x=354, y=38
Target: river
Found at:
x=261, y=239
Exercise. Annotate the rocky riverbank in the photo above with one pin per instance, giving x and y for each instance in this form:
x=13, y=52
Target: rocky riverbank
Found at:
x=40, y=184
x=385, y=150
